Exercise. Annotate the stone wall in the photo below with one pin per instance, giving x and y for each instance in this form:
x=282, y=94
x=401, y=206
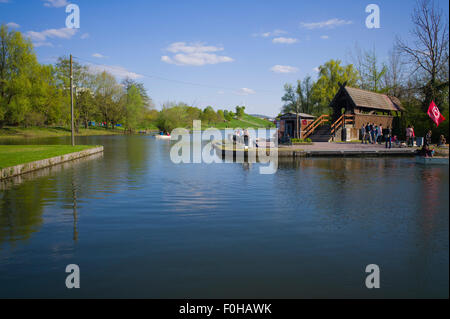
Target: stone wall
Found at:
x=33, y=166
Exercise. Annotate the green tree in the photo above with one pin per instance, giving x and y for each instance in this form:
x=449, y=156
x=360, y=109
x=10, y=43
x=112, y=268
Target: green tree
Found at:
x=220, y=116
x=86, y=107
x=240, y=111
x=134, y=107
x=109, y=98
x=17, y=64
x=330, y=75
x=146, y=100
x=229, y=115
x=209, y=115
x=49, y=104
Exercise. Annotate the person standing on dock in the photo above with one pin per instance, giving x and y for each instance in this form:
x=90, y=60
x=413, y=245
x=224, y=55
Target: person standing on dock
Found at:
x=363, y=134
x=380, y=133
x=388, y=136
x=368, y=133
x=372, y=132
x=428, y=138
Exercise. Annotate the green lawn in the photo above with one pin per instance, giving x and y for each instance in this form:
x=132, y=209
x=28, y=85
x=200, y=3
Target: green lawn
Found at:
x=247, y=121
x=31, y=132
x=11, y=155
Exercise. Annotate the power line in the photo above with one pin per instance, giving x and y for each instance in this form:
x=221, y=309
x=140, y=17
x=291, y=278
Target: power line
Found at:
x=180, y=81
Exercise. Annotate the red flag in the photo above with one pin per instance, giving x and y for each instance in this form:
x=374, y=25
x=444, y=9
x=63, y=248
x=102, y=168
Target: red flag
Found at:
x=435, y=114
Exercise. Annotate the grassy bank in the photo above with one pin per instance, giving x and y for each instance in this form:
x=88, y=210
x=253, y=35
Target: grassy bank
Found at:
x=35, y=132
x=11, y=155
x=247, y=121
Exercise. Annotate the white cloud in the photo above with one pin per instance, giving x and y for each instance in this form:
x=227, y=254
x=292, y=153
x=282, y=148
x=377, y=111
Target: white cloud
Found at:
x=283, y=69
x=84, y=36
x=245, y=91
x=55, y=3
x=274, y=33
x=177, y=47
x=115, y=70
x=63, y=33
x=41, y=38
x=329, y=24
x=194, y=54
x=13, y=25
x=99, y=56
x=324, y=37
x=284, y=40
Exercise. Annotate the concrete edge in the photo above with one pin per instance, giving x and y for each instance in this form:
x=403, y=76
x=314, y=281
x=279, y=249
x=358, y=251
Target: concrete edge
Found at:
x=20, y=169
x=315, y=153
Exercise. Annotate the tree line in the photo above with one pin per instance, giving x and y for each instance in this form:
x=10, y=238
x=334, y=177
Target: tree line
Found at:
x=416, y=72
x=34, y=94
x=175, y=115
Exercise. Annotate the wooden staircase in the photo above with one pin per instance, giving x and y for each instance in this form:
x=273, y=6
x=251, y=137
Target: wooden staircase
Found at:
x=311, y=128
x=321, y=131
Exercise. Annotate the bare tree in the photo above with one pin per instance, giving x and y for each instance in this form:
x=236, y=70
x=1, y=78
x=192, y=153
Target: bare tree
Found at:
x=394, y=77
x=429, y=50
x=371, y=72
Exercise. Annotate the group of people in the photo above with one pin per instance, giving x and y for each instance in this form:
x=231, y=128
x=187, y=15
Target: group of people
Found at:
x=372, y=134
x=426, y=151
x=240, y=135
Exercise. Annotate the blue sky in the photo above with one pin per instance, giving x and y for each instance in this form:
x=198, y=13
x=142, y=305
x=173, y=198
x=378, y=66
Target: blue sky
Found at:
x=235, y=52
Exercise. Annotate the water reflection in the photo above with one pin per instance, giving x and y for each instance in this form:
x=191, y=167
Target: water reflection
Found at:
x=252, y=235
x=23, y=198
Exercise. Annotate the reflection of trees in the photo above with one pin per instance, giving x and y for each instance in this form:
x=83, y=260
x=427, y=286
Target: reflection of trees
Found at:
x=431, y=203
x=21, y=211
x=23, y=199
x=137, y=150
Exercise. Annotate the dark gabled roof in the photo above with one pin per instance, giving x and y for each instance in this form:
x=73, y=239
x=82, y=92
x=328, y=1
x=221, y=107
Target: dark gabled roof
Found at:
x=301, y=115
x=372, y=100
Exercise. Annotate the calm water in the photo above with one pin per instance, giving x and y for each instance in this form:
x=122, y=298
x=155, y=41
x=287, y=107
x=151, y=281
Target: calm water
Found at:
x=140, y=226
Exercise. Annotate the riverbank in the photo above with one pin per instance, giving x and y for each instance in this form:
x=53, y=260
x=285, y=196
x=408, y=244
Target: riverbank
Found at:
x=20, y=159
x=39, y=132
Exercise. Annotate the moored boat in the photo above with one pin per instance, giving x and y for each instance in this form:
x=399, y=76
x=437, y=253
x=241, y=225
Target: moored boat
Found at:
x=432, y=160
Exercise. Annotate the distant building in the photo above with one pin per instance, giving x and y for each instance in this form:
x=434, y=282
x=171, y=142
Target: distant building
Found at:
x=287, y=124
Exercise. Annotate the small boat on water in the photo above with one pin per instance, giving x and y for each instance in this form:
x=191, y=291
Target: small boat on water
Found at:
x=432, y=160
x=162, y=137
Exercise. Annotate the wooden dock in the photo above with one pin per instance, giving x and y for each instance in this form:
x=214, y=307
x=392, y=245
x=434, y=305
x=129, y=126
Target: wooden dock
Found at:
x=323, y=150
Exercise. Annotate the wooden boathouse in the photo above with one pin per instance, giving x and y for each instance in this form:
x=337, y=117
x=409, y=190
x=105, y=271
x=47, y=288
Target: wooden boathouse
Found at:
x=351, y=108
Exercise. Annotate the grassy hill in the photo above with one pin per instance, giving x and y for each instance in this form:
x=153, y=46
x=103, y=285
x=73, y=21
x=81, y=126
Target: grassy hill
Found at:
x=247, y=121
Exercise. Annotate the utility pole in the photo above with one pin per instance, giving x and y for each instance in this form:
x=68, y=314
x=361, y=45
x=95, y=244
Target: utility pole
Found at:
x=71, y=100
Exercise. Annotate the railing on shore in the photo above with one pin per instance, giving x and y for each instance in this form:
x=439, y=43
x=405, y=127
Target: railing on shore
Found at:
x=310, y=129
x=341, y=122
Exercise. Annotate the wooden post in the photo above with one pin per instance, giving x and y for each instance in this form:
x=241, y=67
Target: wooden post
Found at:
x=71, y=101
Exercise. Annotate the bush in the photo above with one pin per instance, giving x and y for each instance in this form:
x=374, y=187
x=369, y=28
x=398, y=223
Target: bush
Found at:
x=301, y=141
